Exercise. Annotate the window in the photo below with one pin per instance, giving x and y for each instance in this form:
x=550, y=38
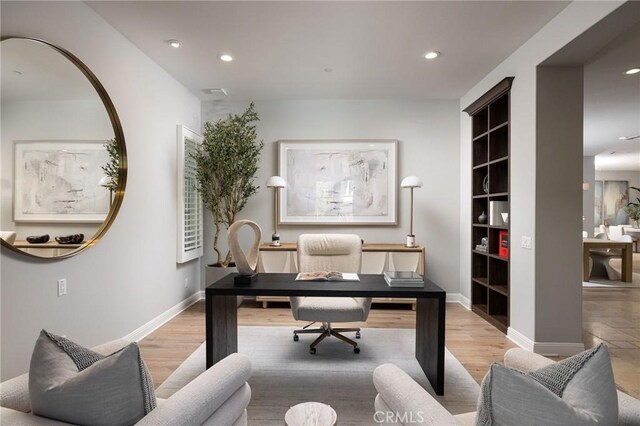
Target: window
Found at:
x=189, y=200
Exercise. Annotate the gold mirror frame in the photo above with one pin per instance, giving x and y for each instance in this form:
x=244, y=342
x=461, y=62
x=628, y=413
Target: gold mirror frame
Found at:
x=119, y=137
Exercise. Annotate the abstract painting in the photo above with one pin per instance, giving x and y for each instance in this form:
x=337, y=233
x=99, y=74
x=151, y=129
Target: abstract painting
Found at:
x=614, y=197
x=58, y=181
x=597, y=214
x=338, y=182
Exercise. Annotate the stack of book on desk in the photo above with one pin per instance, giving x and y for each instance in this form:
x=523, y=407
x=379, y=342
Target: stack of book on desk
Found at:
x=403, y=279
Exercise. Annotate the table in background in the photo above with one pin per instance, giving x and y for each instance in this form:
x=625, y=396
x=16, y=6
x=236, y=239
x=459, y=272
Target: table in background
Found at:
x=635, y=235
x=593, y=243
x=222, y=314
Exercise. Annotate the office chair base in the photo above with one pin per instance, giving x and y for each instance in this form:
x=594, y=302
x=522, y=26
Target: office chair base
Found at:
x=325, y=331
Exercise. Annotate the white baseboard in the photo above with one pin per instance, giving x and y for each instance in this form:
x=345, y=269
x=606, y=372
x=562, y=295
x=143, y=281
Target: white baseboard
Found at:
x=558, y=349
x=520, y=339
x=459, y=298
x=544, y=348
x=148, y=328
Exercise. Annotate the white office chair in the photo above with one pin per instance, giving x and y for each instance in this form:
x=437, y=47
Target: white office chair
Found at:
x=603, y=230
x=329, y=252
x=615, y=232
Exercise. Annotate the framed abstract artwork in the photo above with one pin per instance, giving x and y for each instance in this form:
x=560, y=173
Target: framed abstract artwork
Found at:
x=59, y=181
x=338, y=182
x=615, y=197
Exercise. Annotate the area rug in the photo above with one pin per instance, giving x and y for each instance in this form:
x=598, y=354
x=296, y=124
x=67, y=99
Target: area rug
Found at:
x=601, y=282
x=285, y=374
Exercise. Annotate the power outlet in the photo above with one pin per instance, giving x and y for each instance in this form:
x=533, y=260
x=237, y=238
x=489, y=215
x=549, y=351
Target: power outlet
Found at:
x=186, y=282
x=526, y=242
x=62, y=287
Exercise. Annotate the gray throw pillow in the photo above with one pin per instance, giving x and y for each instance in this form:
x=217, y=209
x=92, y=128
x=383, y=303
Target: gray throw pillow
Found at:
x=73, y=384
x=575, y=391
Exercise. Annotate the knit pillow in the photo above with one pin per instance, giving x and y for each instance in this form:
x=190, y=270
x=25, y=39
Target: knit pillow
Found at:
x=577, y=390
x=73, y=384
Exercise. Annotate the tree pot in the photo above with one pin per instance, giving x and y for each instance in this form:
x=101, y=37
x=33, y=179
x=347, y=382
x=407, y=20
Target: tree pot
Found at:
x=214, y=273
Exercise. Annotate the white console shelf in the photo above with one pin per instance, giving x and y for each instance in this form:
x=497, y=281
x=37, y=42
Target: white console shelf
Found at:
x=376, y=258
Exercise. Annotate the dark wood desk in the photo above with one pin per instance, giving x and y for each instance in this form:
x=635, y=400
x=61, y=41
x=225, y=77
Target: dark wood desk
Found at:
x=222, y=315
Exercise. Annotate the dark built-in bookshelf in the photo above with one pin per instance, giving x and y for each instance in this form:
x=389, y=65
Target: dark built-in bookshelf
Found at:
x=490, y=173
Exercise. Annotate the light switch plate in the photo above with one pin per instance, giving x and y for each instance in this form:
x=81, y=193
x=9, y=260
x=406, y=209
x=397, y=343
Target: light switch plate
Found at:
x=526, y=242
x=62, y=287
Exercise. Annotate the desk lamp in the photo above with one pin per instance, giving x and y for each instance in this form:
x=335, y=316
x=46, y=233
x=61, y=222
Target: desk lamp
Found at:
x=411, y=182
x=275, y=182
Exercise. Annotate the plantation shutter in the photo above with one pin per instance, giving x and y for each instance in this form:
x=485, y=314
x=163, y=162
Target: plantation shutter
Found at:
x=190, y=223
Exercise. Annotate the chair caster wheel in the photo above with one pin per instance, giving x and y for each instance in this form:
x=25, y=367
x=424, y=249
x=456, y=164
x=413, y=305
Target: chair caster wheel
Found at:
x=295, y=338
x=356, y=350
x=312, y=351
x=357, y=334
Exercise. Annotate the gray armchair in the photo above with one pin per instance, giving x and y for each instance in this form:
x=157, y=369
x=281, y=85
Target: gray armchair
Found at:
x=330, y=252
x=401, y=397
x=219, y=396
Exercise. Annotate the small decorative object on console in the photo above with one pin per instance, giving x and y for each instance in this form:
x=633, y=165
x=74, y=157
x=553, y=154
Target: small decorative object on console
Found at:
x=247, y=264
x=70, y=239
x=503, y=250
x=38, y=239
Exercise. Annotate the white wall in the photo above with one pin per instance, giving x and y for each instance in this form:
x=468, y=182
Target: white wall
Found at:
x=46, y=120
x=428, y=147
x=632, y=176
x=566, y=26
x=130, y=276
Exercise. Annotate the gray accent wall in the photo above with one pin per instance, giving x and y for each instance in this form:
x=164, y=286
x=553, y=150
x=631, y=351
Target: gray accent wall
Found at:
x=131, y=276
x=428, y=148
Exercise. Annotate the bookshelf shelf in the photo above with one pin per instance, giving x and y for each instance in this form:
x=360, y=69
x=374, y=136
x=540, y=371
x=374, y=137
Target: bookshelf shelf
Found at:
x=490, y=181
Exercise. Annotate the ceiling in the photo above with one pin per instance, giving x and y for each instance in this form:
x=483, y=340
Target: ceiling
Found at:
x=612, y=104
x=32, y=71
x=374, y=50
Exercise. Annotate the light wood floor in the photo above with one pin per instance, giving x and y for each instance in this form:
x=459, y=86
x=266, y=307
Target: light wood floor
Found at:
x=610, y=315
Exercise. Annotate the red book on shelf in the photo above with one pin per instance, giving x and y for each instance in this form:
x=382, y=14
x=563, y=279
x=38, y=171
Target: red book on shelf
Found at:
x=503, y=248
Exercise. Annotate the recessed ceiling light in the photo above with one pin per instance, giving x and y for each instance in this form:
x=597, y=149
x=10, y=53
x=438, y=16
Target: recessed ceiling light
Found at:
x=431, y=55
x=226, y=58
x=631, y=71
x=173, y=43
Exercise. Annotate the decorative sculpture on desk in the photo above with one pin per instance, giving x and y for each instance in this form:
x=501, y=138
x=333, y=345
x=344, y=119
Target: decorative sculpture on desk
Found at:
x=247, y=264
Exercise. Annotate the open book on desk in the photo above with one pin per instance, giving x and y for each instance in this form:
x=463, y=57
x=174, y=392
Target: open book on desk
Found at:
x=327, y=276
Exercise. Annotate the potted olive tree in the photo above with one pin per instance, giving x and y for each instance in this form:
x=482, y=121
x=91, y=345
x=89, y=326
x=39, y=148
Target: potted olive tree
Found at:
x=226, y=165
x=633, y=209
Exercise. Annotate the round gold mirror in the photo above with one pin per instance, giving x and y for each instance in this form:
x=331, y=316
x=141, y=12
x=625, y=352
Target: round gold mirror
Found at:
x=62, y=151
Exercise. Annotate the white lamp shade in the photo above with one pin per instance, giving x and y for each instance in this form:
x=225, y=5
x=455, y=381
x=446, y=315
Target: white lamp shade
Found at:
x=276, y=182
x=411, y=182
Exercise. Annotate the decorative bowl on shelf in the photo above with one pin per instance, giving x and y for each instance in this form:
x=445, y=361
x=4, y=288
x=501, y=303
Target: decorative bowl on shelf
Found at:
x=38, y=239
x=70, y=239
